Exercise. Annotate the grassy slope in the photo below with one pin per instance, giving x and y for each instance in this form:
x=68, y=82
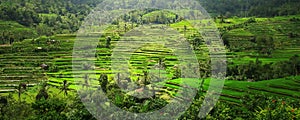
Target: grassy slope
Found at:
x=284, y=87
x=233, y=90
x=279, y=28
x=16, y=30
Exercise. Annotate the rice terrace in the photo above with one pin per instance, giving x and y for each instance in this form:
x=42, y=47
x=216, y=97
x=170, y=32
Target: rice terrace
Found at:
x=40, y=78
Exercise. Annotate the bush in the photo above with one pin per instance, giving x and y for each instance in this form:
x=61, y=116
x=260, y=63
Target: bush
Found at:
x=251, y=20
x=49, y=109
x=261, y=106
x=15, y=110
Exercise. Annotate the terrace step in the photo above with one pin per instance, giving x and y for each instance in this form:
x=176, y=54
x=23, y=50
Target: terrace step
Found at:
x=9, y=76
x=7, y=90
x=285, y=87
x=230, y=96
x=21, y=71
x=20, y=68
x=9, y=81
x=234, y=89
x=278, y=93
x=230, y=102
x=27, y=55
x=16, y=85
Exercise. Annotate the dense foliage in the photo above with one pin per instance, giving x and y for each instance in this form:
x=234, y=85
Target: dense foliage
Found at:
x=252, y=70
x=247, y=8
x=37, y=22
x=43, y=16
x=60, y=16
x=257, y=106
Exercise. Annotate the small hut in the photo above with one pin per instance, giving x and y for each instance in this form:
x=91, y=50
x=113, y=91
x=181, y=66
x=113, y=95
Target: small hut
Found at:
x=44, y=66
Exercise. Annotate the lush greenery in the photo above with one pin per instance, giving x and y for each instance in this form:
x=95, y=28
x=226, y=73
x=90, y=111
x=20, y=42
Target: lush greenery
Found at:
x=246, y=8
x=252, y=70
x=253, y=106
x=56, y=16
x=37, y=81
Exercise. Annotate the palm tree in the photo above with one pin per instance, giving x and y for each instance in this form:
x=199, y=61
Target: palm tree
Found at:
x=86, y=81
x=153, y=91
x=103, y=80
x=145, y=78
x=21, y=87
x=222, y=19
x=86, y=66
x=125, y=27
x=118, y=78
x=161, y=65
x=108, y=40
x=132, y=25
x=42, y=93
x=295, y=62
x=202, y=81
x=204, y=68
x=185, y=29
x=65, y=88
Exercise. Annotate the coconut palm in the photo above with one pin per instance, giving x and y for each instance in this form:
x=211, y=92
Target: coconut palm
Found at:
x=108, y=40
x=86, y=80
x=295, y=61
x=103, y=80
x=161, y=65
x=185, y=29
x=43, y=92
x=22, y=87
x=65, y=88
x=204, y=69
x=125, y=27
x=145, y=77
x=118, y=78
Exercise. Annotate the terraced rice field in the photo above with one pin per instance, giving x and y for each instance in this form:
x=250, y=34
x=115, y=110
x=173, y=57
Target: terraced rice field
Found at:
x=141, y=58
x=20, y=63
x=25, y=67
x=285, y=87
x=233, y=91
x=242, y=39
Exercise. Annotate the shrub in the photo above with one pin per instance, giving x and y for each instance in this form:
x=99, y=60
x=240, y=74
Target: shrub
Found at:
x=52, y=108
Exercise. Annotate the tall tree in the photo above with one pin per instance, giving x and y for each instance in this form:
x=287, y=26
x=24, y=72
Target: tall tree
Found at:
x=103, y=80
x=43, y=92
x=108, y=40
x=265, y=45
x=295, y=62
x=161, y=65
x=65, y=87
x=21, y=88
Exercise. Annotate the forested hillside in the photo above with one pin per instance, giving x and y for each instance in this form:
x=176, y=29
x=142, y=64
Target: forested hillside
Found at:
x=49, y=17
x=40, y=77
x=247, y=8
x=44, y=17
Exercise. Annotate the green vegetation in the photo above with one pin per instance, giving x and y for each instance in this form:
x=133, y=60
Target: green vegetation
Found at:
x=13, y=32
x=37, y=80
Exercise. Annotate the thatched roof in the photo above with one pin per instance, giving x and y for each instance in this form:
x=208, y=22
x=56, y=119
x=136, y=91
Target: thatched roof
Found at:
x=44, y=66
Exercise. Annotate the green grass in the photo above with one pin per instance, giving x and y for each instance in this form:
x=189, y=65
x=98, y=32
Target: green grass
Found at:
x=151, y=16
x=233, y=90
x=16, y=31
x=240, y=32
x=278, y=27
x=242, y=87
